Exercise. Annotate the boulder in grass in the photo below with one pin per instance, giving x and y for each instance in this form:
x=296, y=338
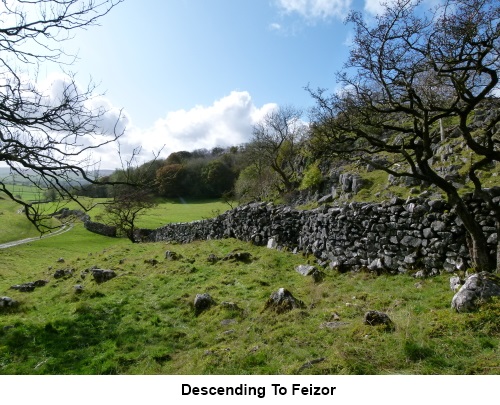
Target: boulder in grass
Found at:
x=101, y=275
x=308, y=270
x=7, y=302
x=202, y=302
x=477, y=289
x=282, y=301
x=375, y=318
x=25, y=287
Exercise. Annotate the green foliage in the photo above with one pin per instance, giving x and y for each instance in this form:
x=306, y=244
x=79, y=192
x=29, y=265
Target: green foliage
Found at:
x=312, y=178
x=256, y=183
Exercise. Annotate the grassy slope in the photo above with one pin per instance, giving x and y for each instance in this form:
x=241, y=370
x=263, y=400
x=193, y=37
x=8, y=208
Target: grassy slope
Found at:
x=14, y=226
x=142, y=322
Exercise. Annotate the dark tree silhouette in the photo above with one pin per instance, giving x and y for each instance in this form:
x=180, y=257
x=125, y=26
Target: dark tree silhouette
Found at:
x=46, y=139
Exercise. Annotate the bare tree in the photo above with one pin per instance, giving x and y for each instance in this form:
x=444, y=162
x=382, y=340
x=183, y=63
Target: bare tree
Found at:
x=276, y=143
x=47, y=140
x=408, y=71
x=127, y=206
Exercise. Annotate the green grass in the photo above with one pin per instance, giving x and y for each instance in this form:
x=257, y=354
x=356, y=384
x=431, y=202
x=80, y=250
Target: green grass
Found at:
x=143, y=321
x=13, y=224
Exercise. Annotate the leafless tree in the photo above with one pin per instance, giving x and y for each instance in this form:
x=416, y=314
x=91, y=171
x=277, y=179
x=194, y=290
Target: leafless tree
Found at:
x=276, y=143
x=48, y=139
x=127, y=206
x=407, y=71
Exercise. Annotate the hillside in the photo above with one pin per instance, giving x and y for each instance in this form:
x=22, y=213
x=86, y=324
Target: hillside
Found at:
x=143, y=321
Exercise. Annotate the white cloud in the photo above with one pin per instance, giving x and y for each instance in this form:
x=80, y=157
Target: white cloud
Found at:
x=227, y=122
x=275, y=26
x=316, y=9
x=374, y=7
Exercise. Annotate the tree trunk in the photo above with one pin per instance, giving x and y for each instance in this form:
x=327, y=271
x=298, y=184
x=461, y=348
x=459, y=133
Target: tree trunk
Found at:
x=476, y=240
x=498, y=247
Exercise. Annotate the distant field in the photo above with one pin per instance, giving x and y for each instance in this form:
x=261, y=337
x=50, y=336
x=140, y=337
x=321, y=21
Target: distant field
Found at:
x=15, y=226
x=166, y=211
x=26, y=192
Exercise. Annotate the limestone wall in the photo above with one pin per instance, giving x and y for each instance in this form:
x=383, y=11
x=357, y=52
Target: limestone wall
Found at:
x=396, y=235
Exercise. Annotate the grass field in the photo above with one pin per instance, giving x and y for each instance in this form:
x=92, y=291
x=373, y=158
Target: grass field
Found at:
x=15, y=226
x=143, y=321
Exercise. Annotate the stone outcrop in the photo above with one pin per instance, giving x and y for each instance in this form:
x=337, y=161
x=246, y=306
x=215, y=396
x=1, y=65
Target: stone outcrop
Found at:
x=393, y=236
x=202, y=302
x=376, y=318
x=29, y=286
x=7, y=302
x=312, y=271
x=102, y=275
x=282, y=301
x=477, y=289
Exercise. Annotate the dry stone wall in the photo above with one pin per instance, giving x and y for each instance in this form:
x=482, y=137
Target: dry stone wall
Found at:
x=395, y=236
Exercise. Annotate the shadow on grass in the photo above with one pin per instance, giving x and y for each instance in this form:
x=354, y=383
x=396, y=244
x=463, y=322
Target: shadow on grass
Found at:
x=85, y=343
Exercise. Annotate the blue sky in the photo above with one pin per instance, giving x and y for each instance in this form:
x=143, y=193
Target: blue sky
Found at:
x=194, y=74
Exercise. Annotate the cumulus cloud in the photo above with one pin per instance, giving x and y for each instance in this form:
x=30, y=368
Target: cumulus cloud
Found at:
x=226, y=122
x=316, y=9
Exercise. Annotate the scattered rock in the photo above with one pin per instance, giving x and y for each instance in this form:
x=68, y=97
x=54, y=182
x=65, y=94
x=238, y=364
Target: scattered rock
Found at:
x=78, y=288
x=272, y=244
x=7, y=302
x=26, y=287
x=101, y=275
x=212, y=259
x=202, y=302
x=60, y=260
x=169, y=255
x=308, y=270
x=374, y=318
x=283, y=301
x=455, y=283
x=477, y=289
x=61, y=273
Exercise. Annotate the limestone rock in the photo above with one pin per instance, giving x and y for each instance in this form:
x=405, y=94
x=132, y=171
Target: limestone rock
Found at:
x=283, y=301
x=478, y=288
x=212, y=259
x=374, y=318
x=7, y=302
x=25, y=287
x=61, y=273
x=455, y=283
x=169, y=255
x=308, y=270
x=202, y=302
x=272, y=244
x=100, y=275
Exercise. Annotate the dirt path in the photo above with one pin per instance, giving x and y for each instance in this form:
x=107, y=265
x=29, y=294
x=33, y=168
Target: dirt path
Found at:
x=65, y=228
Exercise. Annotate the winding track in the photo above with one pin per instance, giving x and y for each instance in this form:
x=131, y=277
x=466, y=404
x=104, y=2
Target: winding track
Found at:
x=65, y=228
